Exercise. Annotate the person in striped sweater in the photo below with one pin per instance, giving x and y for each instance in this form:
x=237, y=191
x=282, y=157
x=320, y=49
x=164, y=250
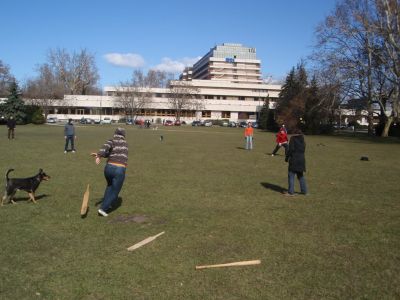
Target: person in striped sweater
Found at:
x=115, y=151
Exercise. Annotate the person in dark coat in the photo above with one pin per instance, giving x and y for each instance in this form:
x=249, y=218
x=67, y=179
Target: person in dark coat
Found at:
x=11, y=127
x=297, y=162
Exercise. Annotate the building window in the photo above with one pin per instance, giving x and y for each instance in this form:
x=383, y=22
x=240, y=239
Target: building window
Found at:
x=206, y=114
x=242, y=98
x=158, y=95
x=226, y=114
x=209, y=97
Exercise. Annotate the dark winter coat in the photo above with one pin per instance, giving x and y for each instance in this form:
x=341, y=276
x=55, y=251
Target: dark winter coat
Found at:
x=295, y=154
x=11, y=123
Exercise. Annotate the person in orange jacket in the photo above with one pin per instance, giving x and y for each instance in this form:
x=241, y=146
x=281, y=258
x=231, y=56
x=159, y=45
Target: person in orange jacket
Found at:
x=248, y=135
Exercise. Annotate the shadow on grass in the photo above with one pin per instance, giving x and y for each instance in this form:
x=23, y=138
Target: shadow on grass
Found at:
x=27, y=198
x=274, y=187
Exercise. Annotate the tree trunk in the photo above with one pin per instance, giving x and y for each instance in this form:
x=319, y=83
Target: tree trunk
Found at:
x=388, y=123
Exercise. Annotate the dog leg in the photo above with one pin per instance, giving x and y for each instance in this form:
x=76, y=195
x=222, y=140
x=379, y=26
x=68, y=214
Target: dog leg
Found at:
x=32, y=196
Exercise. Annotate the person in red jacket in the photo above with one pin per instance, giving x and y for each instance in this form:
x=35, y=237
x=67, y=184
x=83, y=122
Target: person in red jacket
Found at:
x=281, y=141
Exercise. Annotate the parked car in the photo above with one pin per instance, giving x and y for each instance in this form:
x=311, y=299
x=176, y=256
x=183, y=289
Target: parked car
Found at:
x=86, y=121
x=243, y=124
x=208, y=123
x=97, y=121
x=168, y=123
x=196, y=123
x=254, y=124
x=129, y=121
x=232, y=124
x=224, y=123
x=106, y=120
x=51, y=120
x=177, y=123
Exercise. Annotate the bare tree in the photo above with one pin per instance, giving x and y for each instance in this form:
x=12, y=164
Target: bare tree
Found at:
x=44, y=90
x=5, y=79
x=77, y=72
x=387, y=28
x=134, y=95
x=183, y=96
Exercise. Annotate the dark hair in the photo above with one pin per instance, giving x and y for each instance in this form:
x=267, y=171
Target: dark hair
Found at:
x=297, y=131
x=69, y=120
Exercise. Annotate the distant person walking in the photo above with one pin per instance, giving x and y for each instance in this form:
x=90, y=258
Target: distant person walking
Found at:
x=281, y=141
x=11, y=124
x=248, y=135
x=297, y=163
x=69, y=135
x=116, y=152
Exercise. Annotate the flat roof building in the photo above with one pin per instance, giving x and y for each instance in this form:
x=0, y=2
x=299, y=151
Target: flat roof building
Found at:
x=229, y=62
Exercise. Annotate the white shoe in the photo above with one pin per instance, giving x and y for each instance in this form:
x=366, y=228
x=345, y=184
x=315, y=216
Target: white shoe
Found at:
x=272, y=154
x=73, y=151
x=102, y=212
x=65, y=152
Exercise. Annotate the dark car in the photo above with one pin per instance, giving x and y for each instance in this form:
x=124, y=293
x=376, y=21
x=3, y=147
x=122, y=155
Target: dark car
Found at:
x=168, y=123
x=86, y=121
x=196, y=123
x=177, y=123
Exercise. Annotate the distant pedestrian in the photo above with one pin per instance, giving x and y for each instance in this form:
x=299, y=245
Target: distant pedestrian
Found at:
x=11, y=124
x=69, y=135
x=297, y=163
x=281, y=141
x=248, y=135
x=116, y=152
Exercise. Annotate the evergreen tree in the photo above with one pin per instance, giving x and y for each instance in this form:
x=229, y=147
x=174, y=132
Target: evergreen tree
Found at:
x=313, y=115
x=264, y=113
x=14, y=106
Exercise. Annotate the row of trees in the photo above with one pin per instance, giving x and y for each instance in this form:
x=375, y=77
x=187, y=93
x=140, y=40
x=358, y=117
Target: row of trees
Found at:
x=357, y=56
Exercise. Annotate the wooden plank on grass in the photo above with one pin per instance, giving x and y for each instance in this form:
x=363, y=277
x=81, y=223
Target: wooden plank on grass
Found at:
x=233, y=264
x=85, y=202
x=145, y=241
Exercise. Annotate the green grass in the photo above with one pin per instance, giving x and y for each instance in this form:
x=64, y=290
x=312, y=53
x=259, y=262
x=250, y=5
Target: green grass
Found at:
x=217, y=203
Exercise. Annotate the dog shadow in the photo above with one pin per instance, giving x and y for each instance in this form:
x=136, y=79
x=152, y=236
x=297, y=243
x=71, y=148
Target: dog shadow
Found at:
x=18, y=199
x=274, y=187
x=116, y=204
x=241, y=148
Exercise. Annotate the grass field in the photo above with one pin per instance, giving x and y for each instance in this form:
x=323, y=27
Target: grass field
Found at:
x=217, y=203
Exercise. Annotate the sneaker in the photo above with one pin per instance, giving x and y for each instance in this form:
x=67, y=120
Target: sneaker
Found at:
x=65, y=152
x=73, y=151
x=102, y=212
x=272, y=154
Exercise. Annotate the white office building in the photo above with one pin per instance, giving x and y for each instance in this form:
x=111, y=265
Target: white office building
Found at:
x=228, y=81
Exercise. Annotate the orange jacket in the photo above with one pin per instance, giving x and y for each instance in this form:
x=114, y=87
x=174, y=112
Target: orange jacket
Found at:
x=248, y=131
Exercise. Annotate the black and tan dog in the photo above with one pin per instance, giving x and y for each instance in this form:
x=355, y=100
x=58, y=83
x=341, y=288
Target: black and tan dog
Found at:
x=28, y=185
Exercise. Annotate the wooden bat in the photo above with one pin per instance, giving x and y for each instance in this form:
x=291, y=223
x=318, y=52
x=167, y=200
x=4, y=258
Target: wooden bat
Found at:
x=233, y=264
x=85, y=202
x=145, y=241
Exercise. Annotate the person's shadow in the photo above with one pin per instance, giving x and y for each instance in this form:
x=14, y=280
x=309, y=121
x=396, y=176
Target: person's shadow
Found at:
x=274, y=187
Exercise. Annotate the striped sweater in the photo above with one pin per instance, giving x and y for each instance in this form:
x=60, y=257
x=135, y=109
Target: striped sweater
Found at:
x=116, y=149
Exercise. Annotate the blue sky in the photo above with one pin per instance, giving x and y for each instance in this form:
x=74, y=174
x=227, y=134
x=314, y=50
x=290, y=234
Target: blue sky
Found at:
x=124, y=35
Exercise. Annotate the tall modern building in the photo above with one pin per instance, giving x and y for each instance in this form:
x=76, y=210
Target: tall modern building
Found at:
x=228, y=62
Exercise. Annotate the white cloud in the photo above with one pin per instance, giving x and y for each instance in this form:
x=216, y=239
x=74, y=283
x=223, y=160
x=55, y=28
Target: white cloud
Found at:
x=125, y=59
x=175, y=66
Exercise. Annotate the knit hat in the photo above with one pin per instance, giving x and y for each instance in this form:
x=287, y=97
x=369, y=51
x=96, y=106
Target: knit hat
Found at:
x=120, y=131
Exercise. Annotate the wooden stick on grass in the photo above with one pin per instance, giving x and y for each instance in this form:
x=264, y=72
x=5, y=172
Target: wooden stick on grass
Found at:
x=85, y=202
x=233, y=264
x=145, y=241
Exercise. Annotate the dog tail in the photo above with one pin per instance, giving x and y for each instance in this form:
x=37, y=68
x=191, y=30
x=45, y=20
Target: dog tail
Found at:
x=8, y=171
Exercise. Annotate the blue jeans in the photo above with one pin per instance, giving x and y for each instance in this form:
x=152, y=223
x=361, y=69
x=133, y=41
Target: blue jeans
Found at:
x=302, y=180
x=115, y=177
x=249, y=142
x=67, y=140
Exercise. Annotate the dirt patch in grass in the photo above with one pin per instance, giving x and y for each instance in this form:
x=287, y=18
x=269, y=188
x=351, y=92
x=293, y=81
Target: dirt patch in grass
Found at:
x=138, y=219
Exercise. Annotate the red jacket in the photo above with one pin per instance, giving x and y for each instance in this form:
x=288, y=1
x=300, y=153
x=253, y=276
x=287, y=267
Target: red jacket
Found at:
x=281, y=137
